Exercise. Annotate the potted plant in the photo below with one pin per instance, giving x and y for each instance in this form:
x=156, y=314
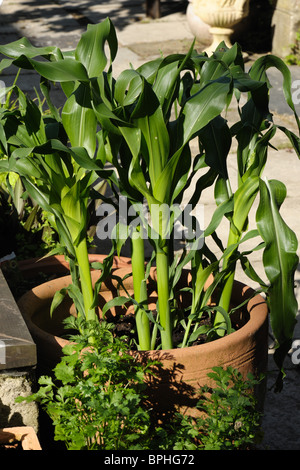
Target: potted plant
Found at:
x=148, y=118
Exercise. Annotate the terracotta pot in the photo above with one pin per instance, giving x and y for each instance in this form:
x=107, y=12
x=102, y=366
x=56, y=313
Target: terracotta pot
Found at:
x=184, y=370
x=57, y=264
x=25, y=435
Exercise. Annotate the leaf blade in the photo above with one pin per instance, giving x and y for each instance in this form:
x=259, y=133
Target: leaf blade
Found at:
x=280, y=262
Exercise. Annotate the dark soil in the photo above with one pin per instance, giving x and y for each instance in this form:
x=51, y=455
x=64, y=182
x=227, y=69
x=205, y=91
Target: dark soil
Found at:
x=125, y=326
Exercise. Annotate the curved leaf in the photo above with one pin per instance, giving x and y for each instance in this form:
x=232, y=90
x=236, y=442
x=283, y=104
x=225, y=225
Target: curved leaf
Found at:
x=62, y=70
x=79, y=119
x=243, y=201
x=205, y=105
x=115, y=302
x=258, y=72
x=24, y=47
x=216, y=139
x=90, y=50
x=280, y=262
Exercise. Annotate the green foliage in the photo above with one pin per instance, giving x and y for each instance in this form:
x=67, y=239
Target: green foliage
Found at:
x=293, y=58
x=142, y=124
x=26, y=226
x=232, y=419
x=97, y=400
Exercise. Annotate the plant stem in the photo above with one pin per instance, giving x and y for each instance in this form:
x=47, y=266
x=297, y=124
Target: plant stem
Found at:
x=198, y=286
x=162, y=267
x=140, y=289
x=85, y=279
x=225, y=298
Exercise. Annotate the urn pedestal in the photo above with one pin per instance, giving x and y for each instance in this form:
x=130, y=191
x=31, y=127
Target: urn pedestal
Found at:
x=220, y=16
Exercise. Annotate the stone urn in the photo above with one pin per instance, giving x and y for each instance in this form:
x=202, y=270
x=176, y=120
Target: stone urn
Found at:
x=219, y=15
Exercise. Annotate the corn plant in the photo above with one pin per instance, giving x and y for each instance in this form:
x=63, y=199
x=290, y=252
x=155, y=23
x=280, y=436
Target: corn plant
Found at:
x=54, y=153
x=142, y=124
x=148, y=117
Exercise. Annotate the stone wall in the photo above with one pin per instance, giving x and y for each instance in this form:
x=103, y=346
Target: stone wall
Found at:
x=285, y=23
x=17, y=364
x=15, y=383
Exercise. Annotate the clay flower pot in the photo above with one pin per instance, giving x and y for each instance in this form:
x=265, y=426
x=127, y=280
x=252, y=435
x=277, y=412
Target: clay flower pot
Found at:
x=57, y=264
x=184, y=369
x=24, y=436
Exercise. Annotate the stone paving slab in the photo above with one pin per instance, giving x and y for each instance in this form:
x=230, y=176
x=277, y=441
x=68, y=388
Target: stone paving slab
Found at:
x=61, y=23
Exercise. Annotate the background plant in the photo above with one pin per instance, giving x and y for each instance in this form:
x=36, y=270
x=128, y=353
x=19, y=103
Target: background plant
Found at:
x=25, y=227
x=293, y=58
x=48, y=149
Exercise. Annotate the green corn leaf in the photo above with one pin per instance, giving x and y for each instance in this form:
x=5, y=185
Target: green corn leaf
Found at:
x=24, y=166
x=280, y=262
x=58, y=299
x=243, y=201
x=34, y=123
x=39, y=196
x=90, y=49
x=201, y=277
x=24, y=47
x=216, y=139
x=18, y=191
x=156, y=136
x=45, y=89
x=135, y=174
x=74, y=211
x=181, y=176
x=149, y=69
x=62, y=70
x=75, y=294
x=3, y=139
x=83, y=159
x=198, y=111
x=105, y=117
x=115, y=302
x=294, y=139
x=79, y=119
x=204, y=329
x=148, y=117
x=258, y=72
x=258, y=155
x=205, y=105
x=166, y=82
x=223, y=209
x=5, y=63
x=64, y=235
x=128, y=87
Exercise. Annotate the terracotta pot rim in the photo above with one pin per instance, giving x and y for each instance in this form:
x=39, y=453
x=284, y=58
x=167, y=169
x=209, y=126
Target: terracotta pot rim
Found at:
x=59, y=264
x=44, y=292
x=26, y=435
